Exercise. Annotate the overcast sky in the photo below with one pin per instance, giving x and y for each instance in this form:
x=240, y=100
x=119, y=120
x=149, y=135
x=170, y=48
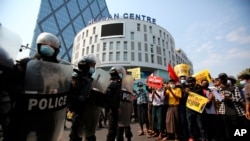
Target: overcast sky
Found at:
x=215, y=34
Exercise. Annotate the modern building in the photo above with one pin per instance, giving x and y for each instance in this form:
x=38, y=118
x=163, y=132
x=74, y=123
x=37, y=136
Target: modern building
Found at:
x=132, y=41
x=65, y=18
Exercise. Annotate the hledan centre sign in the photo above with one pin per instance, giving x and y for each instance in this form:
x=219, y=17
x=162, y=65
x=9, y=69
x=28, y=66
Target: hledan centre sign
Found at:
x=125, y=16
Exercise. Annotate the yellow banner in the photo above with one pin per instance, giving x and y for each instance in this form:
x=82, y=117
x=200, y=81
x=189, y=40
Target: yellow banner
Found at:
x=135, y=72
x=182, y=70
x=204, y=74
x=196, y=102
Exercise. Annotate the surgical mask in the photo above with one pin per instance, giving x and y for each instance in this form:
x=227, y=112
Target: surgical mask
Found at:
x=183, y=81
x=172, y=85
x=47, y=50
x=120, y=75
x=91, y=70
x=229, y=82
x=243, y=82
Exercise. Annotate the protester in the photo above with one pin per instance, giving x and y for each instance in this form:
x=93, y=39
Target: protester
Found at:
x=172, y=116
x=210, y=117
x=231, y=111
x=194, y=118
x=142, y=108
x=182, y=108
x=157, y=102
x=245, y=81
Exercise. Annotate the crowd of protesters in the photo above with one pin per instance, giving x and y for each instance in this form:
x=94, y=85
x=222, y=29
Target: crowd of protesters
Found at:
x=164, y=113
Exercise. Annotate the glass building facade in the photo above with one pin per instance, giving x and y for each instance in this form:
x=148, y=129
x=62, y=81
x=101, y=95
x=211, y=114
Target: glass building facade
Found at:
x=65, y=18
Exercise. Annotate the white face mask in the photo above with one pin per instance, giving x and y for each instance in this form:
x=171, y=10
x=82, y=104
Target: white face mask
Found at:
x=183, y=81
x=172, y=85
x=120, y=75
x=243, y=82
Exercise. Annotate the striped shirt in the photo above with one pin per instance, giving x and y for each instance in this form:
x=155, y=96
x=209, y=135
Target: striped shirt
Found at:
x=234, y=101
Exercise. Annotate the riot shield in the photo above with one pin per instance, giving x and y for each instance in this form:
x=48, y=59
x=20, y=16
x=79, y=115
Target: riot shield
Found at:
x=99, y=86
x=10, y=43
x=43, y=103
x=127, y=83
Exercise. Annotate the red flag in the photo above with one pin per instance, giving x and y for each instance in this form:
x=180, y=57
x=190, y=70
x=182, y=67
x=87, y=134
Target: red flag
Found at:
x=171, y=73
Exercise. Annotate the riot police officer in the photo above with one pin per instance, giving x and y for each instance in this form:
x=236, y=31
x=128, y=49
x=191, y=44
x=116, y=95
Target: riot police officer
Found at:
x=86, y=113
x=39, y=105
x=113, y=100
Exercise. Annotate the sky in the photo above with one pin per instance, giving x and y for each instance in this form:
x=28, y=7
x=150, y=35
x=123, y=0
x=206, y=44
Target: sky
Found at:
x=214, y=34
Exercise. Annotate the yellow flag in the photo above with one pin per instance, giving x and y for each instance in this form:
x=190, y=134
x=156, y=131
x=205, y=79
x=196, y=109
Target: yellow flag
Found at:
x=196, y=102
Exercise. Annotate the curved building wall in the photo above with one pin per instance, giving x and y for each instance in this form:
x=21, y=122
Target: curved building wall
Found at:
x=141, y=44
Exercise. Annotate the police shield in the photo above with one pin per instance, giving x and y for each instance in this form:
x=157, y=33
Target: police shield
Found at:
x=43, y=103
x=10, y=43
x=127, y=83
x=99, y=86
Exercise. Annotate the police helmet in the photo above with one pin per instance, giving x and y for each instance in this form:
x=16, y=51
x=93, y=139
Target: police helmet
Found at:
x=46, y=38
x=85, y=63
x=115, y=71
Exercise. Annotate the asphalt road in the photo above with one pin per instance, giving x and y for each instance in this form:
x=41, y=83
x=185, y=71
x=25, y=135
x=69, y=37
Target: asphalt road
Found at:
x=101, y=133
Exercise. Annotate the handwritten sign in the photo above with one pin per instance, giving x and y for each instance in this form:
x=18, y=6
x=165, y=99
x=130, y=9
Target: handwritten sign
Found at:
x=155, y=81
x=135, y=72
x=196, y=102
x=182, y=70
x=204, y=74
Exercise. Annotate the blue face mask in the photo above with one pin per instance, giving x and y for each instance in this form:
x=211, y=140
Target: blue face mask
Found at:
x=47, y=50
x=91, y=70
x=120, y=75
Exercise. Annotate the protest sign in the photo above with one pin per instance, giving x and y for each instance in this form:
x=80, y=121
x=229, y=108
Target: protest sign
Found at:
x=204, y=74
x=154, y=81
x=135, y=72
x=196, y=102
x=182, y=70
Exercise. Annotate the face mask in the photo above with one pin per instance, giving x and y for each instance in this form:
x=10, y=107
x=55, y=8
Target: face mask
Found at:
x=229, y=82
x=183, y=81
x=172, y=85
x=91, y=70
x=47, y=50
x=120, y=75
x=243, y=82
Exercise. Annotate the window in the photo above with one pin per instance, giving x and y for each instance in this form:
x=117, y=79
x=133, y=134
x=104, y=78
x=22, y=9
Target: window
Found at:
x=146, y=57
x=160, y=32
x=117, y=56
x=90, y=40
x=96, y=37
x=139, y=56
x=94, y=29
x=154, y=39
x=98, y=47
x=87, y=32
x=82, y=35
x=92, y=48
x=104, y=46
x=125, y=56
x=83, y=51
x=87, y=52
x=152, y=49
x=138, y=27
x=132, y=35
x=132, y=45
x=83, y=44
x=139, y=46
x=150, y=29
x=110, y=56
x=152, y=58
x=125, y=47
x=132, y=56
x=110, y=45
x=103, y=57
x=159, y=41
x=146, y=47
x=145, y=28
x=145, y=37
x=117, y=45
